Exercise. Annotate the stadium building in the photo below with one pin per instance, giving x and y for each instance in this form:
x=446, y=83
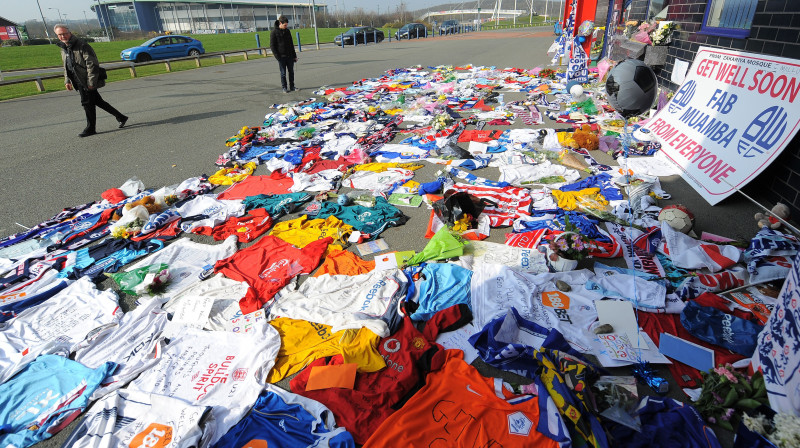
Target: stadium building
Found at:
x=201, y=16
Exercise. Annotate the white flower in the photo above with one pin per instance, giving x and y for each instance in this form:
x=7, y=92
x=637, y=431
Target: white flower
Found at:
x=787, y=431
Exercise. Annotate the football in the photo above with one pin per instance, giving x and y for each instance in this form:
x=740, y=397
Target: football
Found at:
x=631, y=87
x=678, y=217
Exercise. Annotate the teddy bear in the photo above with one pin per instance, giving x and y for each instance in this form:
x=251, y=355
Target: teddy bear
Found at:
x=780, y=210
x=149, y=202
x=581, y=138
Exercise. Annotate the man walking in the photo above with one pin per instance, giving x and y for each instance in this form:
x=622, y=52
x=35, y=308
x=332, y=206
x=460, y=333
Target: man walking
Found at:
x=282, y=46
x=82, y=72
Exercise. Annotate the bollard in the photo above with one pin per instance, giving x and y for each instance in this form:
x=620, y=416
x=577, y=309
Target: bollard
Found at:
x=222, y=57
x=342, y=39
x=258, y=44
x=365, y=37
x=390, y=34
x=167, y=67
x=299, y=47
x=132, y=69
x=375, y=36
x=39, y=84
x=355, y=39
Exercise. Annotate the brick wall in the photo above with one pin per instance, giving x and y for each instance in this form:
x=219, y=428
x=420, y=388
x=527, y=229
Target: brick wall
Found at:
x=775, y=31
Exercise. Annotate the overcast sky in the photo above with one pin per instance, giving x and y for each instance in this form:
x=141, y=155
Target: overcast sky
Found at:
x=20, y=11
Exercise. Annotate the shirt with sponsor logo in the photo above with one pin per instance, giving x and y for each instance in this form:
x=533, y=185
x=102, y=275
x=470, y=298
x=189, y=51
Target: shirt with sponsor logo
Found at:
x=59, y=324
x=220, y=369
x=139, y=420
x=281, y=419
x=269, y=265
x=496, y=289
x=457, y=408
x=409, y=355
x=302, y=231
x=134, y=345
x=186, y=260
x=46, y=396
x=303, y=342
x=347, y=302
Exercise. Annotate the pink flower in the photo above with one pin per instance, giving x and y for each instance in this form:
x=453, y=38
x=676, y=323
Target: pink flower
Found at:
x=728, y=414
x=712, y=420
x=720, y=370
x=731, y=377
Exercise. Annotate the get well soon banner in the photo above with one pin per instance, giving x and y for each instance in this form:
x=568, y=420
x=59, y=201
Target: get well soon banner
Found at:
x=733, y=115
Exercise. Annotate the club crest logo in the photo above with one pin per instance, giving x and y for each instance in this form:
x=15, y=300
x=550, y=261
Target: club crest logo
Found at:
x=519, y=424
x=239, y=374
x=682, y=97
x=764, y=132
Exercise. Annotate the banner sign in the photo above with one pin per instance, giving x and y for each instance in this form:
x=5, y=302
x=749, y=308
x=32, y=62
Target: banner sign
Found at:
x=778, y=350
x=731, y=117
x=578, y=69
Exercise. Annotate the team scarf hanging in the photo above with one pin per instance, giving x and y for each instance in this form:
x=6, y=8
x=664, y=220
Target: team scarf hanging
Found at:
x=577, y=69
x=566, y=35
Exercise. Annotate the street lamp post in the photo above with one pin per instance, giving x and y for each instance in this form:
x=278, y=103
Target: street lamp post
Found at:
x=59, y=15
x=314, y=18
x=46, y=31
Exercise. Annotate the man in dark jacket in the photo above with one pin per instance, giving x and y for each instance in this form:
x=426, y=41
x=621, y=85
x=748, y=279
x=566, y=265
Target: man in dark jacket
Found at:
x=282, y=46
x=82, y=73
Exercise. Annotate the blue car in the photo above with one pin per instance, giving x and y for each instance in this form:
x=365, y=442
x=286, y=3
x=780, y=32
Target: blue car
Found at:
x=163, y=47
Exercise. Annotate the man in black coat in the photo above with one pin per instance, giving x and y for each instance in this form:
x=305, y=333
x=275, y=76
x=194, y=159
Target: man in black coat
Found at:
x=282, y=46
x=82, y=72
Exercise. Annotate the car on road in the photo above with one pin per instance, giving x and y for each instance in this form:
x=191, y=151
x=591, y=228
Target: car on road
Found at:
x=356, y=34
x=163, y=47
x=450, y=27
x=411, y=31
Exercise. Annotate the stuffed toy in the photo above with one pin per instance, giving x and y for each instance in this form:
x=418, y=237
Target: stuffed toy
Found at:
x=780, y=210
x=149, y=202
x=586, y=139
x=582, y=138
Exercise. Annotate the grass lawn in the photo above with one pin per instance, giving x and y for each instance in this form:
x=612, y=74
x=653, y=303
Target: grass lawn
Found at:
x=52, y=85
x=35, y=56
x=521, y=21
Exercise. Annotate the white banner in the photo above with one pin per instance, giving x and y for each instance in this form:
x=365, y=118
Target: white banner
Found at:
x=733, y=115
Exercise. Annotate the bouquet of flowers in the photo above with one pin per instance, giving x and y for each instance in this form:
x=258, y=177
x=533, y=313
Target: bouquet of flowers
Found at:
x=547, y=73
x=569, y=244
x=643, y=33
x=662, y=35
x=783, y=430
x=631, y=27
x=727, y=394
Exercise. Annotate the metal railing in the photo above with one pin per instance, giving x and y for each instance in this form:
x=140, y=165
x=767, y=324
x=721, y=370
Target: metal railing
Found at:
x=131, y=65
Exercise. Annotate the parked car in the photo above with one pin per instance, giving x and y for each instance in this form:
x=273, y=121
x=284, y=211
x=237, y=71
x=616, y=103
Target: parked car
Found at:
x=411, y=31
x=356, y=34
x=450, y=27
x=163, y=47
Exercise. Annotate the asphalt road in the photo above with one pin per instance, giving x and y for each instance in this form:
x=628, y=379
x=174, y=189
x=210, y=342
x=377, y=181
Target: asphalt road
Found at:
x=179, y=123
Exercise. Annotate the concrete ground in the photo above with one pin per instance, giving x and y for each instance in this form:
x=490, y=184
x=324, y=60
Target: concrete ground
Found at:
x=179, y=123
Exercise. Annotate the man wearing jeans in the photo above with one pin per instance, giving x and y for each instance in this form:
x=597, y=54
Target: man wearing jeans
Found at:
x=82, y=72
x=282, y=46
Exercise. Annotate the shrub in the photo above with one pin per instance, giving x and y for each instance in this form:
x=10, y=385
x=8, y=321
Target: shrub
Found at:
x=38, y=41
x=11, y=43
